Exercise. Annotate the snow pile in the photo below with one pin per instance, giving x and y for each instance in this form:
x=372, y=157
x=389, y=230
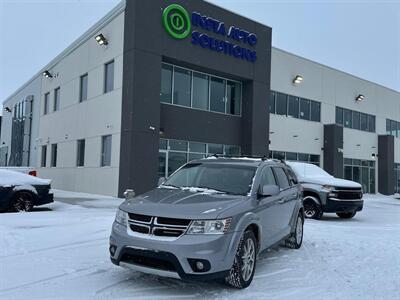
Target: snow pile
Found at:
x=10, y=178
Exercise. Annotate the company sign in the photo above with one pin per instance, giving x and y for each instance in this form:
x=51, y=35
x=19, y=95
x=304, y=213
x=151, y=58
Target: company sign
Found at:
x=233, y=41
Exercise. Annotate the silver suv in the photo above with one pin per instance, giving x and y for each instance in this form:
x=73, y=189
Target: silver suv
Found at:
x=209, y=220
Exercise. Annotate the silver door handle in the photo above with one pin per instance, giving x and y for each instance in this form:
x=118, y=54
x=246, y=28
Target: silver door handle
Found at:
x=281, y=201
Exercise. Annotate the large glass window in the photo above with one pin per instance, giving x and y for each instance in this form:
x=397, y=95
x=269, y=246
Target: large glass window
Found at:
x=106, y=150
x=361, y=171
x=200, y=90
x=281, y=104
x=83, y=89
x=233, y=97
x=355, y=120
x=393, y=128
x=80, y=153
x=56, y=99
x=293, y=110
x=293, y=156
x=166, y=84
x=109, y=77
x=175, y=153
x=217, y=95
x=182, y=86
x=305, y=109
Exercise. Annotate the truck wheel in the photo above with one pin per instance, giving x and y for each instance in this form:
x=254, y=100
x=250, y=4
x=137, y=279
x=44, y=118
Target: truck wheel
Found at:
x=346, y=215
x=311, y=209
x=295, y=239
x=244, y=265
x=22, y=201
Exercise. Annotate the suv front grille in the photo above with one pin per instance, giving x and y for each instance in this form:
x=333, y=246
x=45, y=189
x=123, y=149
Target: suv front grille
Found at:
x=348, y=193
x=157, y=226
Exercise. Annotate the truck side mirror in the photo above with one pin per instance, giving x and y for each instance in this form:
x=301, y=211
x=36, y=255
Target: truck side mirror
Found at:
x=161, y=180
x=128, y=194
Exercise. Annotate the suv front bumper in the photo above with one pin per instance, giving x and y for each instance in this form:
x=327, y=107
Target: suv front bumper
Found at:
x=176, y=259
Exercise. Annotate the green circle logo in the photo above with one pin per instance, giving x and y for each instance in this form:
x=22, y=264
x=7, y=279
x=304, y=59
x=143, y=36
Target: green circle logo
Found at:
x=176, y=21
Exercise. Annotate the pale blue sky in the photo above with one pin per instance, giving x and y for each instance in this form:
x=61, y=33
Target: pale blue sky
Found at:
x=358, y=37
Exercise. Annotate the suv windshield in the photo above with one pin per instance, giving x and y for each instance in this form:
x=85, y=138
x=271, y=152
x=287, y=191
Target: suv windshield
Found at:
x=224, y=178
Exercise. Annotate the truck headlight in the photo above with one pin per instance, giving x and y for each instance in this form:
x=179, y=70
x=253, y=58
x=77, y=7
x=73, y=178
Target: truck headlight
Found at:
x=121, y=217
x=209, y=226
x=328, y=188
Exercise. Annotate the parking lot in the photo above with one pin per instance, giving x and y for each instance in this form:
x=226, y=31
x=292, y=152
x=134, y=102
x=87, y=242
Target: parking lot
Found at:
x=61, y=251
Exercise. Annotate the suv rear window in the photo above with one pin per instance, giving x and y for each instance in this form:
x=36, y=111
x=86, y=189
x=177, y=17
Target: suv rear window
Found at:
x=281, y=177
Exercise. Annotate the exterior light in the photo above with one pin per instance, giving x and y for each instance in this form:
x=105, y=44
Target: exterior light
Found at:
x=297, y=79
x=360, y=97
x=7, y=109
x=374, y=156
x=47, y=74
x=101, y=39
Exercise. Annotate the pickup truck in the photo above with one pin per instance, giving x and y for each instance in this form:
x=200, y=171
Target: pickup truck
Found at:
x=324, y=193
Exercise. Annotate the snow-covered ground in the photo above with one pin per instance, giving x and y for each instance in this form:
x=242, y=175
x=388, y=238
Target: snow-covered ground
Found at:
x=61, y=251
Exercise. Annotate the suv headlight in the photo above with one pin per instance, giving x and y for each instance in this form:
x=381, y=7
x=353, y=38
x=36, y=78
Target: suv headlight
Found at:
x=121, y=217
x=209, y=226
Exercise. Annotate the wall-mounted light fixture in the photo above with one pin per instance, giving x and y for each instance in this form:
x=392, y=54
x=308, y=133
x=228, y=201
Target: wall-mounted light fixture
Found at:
x=360, y=97
x=101, y=39
x=7, y=109
x=297, y=79
x=47, y=74
x=374, y=156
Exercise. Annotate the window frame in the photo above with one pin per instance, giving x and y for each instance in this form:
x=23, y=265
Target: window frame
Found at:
x=46, y=102
x=103, y=161
x=105, y=90
x=80, y=161
x=53, y=155
x=81, y=99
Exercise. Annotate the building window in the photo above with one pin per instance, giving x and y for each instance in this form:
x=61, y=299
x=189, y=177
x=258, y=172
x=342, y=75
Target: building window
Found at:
x=44, y=156
x=355, y=120
x=56, y=99
x=393, y=128
x=109, y=77
x=217, y=94
x=292, y=156
x=361, y=171
x=80, y=153
x=46, y=108
x=200, y=91
x=53, y=155
x=295, y=107
x=293, y=110
x=83, y=88
x=174, y=153
x=166, y=84
x=397, y=178
x=106, y=151
x=193, y=89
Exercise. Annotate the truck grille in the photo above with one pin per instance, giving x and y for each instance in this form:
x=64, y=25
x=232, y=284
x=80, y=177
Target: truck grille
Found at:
x=157, y=226
x=348, y=193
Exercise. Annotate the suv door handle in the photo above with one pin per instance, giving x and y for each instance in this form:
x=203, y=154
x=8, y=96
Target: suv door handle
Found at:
x=281, y=201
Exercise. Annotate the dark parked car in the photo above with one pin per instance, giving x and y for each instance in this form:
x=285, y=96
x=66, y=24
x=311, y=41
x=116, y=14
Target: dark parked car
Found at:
x=21, y=192
x=209, y=220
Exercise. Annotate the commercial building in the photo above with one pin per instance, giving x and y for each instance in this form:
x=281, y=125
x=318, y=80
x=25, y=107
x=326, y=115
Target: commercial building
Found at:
x=157, y=83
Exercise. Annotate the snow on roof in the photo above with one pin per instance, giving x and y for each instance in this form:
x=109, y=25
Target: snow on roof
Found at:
x=11, y=178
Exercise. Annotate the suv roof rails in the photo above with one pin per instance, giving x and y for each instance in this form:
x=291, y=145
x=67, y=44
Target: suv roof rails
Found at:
x=263, y=158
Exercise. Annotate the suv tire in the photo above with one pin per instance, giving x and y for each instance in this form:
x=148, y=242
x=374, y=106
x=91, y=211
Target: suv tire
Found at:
x=22, y=201
x=346, y=215
x=295, y=239
x=312, y=210
x=244, y=264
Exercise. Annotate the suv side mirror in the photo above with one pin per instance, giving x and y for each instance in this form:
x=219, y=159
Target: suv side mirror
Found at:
x=161, y=180
x=269, y=190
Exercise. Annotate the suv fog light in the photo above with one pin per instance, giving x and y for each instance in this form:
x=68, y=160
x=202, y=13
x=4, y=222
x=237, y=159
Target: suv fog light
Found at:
x=199, y=265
